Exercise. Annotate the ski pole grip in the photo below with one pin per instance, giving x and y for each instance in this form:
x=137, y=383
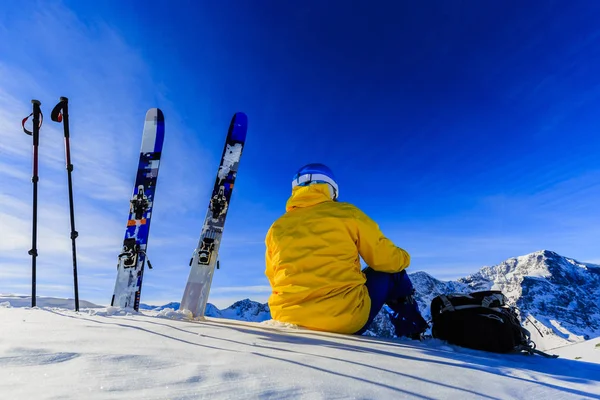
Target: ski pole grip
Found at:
x=36, y=121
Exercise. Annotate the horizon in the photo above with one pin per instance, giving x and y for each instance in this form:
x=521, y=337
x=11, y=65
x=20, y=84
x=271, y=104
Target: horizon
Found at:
x=468, y=133
x=223, y=303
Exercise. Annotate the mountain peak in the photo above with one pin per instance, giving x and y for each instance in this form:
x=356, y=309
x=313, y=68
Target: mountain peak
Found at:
x=540, y=255
x=540, y=264
x=247, y=310
x=545, y=253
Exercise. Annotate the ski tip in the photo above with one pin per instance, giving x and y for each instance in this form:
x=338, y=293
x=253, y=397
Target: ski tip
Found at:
x=240, y=118
x=238, y=127
x=155, y=113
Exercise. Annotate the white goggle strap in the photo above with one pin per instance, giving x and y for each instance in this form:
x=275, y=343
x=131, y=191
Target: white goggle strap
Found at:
x=316, y=177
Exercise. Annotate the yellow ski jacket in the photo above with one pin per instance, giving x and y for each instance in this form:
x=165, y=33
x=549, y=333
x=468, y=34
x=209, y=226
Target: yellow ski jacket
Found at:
x=313, y=264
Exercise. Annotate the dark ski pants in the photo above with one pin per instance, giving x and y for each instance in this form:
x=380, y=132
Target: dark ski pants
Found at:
x=384, y=287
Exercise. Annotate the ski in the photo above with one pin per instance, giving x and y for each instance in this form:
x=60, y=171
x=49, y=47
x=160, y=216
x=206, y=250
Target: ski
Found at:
x=130, y=266
x=204, y=258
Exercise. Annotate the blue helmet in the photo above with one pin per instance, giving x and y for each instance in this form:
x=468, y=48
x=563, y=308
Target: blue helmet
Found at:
x=316, y=173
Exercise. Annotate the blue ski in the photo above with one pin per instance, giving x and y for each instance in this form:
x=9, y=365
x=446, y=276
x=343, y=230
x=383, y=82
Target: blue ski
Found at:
x=130, y=267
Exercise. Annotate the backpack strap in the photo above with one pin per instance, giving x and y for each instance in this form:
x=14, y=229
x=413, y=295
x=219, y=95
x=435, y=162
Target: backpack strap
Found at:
x=447, y=305
x=532, y=350
x=489, y=300
x=486, y=302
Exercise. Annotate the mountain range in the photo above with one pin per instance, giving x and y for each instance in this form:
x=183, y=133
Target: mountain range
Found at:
x=557, y=297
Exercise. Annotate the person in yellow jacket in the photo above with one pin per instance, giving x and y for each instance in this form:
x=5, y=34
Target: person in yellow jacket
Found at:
x=313, y=263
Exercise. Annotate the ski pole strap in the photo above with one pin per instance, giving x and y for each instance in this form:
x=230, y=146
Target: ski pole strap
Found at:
x=27, y=131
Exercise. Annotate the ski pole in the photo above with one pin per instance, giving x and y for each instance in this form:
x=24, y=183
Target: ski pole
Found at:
x=38, y=118
x=60, y=113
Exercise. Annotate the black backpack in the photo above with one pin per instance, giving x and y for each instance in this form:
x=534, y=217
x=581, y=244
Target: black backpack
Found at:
x=481, y=321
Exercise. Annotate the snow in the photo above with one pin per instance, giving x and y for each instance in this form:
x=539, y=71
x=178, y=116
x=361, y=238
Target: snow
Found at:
x=51, y=352
x=587, y=351
x=542, y=335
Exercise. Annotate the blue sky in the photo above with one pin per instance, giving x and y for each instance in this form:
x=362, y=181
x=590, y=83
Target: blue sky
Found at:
x=467, y=130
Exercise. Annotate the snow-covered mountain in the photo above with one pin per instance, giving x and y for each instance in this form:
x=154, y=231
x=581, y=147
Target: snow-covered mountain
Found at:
x=557, y=296
x=174, y=305
x=243, y=310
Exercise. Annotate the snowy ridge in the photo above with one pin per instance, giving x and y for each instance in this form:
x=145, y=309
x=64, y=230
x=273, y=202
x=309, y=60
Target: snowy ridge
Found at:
x=243, y=310
x=173, y=305
x=12, y=300
x=246, y=310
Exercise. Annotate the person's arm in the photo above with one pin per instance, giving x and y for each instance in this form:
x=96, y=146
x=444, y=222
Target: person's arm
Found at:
x=378, y=251
x=269, y=272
